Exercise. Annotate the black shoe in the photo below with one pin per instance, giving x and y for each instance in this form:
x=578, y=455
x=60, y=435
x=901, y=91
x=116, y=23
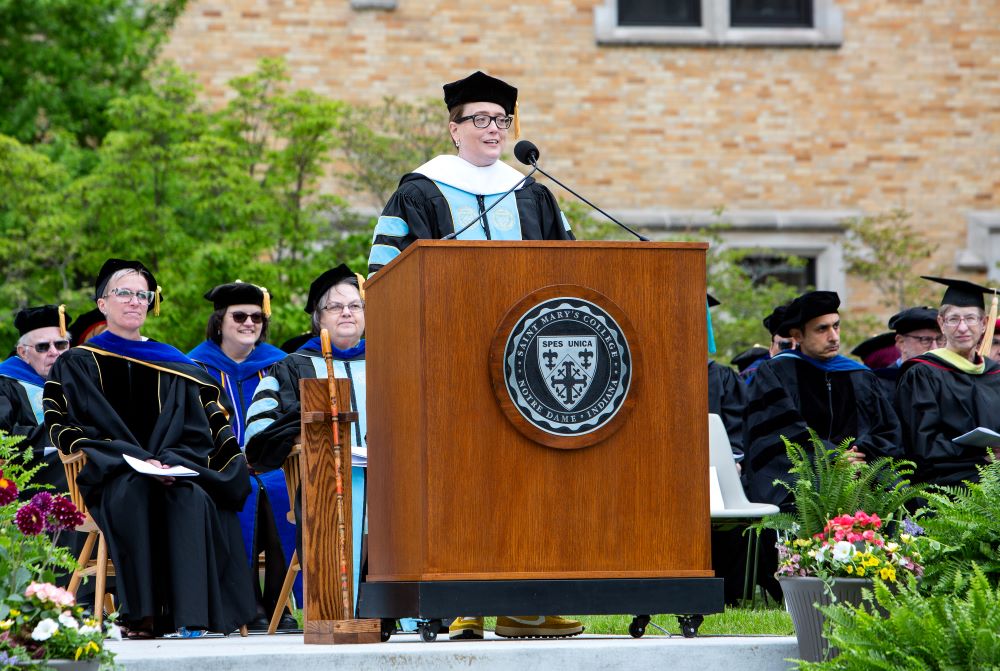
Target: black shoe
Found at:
x=259, y=623
x=288, y=623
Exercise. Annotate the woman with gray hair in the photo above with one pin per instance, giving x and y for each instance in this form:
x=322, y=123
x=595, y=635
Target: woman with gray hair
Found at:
x=336, y=304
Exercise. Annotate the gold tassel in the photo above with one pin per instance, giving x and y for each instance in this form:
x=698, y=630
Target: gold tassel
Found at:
x=265, y=305
x=361, y=285
x=517, y=122
x=991, y=322
x=62, y=321
x=156, y=301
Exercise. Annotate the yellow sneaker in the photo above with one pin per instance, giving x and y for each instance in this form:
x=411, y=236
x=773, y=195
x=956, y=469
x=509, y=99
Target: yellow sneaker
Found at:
x=540, y=626
x=466, y=628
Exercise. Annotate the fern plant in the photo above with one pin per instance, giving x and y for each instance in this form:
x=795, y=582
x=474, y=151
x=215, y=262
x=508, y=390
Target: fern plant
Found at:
x=916, y=632
x=825, y=484
x=962, y=527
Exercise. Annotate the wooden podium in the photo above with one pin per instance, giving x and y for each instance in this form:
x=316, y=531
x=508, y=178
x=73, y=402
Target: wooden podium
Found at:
x=484, y=497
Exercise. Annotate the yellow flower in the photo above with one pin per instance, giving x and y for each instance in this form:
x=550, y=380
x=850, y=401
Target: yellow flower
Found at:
x=15, y=612
x=888, y=573
x=892, y=546
x=6, y=624
x=79, y=651
x=861, y=571
x=849, y=568
x=871, y=561
x=906, y=538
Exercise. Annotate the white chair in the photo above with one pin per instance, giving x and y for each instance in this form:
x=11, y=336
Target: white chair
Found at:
x=735, y=508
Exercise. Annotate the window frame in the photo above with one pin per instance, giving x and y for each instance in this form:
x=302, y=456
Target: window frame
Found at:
x=716, y=29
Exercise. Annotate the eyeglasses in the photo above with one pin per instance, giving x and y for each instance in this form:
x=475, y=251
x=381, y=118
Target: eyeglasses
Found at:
x=954, y=320
x=126, y=296
x=240, y=317
x=339, y=307
x=926, y=341
x=483, y=120
x=43, y=347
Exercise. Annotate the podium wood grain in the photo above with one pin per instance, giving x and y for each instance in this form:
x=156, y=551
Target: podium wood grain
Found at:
x=457, y=493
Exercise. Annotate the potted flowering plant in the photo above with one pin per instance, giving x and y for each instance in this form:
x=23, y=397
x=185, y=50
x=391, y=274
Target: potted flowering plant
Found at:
x=39, y=622
x=843, y=533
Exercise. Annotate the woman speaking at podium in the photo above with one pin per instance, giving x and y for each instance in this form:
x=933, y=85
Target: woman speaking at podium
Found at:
x=444, y=195
x=448, y=192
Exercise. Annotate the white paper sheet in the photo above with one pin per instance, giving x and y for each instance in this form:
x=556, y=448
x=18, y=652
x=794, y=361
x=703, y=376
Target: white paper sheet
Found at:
x=141, y=466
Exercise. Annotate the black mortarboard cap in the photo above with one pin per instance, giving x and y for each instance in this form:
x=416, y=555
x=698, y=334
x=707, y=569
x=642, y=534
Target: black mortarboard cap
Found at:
x=913, y=319
x=868, y=347
x=480, y=87
x=743, y=360
x=39, y=317
x=112, y=266
x=961, y=293
x=84, y=325
x=712, y=300
x=808, y=306
x=323, y=283
x=235, y=293
x=773, y=321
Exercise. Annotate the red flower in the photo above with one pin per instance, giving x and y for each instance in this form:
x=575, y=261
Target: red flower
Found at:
x=8, y=490
x=65, y=514
x=29, y=520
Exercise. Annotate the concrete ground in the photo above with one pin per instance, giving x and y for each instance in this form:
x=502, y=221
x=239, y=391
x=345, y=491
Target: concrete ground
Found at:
x=407, y=651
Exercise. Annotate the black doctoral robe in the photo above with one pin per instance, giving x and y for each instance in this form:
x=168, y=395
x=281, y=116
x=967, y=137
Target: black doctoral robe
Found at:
x=727, y=396
x=788, y=395
x=17, y=418
x=177, y=549
x=937, y=402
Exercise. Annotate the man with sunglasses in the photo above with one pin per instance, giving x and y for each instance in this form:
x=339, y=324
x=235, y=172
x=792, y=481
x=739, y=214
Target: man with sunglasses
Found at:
x=446, y=193
x=22, y=378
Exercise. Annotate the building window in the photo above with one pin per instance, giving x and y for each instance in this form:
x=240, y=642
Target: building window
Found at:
x=800, y=275
x=807, y=23
x=659, y=12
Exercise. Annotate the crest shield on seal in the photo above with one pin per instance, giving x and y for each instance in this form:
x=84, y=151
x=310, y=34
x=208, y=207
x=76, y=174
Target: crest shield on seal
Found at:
x=567, y=364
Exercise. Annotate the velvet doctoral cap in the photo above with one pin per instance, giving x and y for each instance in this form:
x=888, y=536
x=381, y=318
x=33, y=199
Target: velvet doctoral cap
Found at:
x=240, y=293
x=112, y=266
x=808, y=306
x=961, y=293
x=743, y=360
x=38, y=317
x=914, y=319
x=773, y=321
x=874, y=345
x=85, y=325
x=322, y=284
x=480, y=87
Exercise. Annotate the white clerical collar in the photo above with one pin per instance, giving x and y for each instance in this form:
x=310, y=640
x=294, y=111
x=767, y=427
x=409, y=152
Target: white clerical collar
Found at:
x=459, y=173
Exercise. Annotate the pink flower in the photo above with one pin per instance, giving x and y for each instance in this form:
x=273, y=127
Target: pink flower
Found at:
x=44, y=591
x=8, y=490
x=29, y=520
x=42, y=501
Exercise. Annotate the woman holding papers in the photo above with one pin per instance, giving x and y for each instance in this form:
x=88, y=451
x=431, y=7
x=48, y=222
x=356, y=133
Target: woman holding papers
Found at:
x=448, y=192
x=175, y=541
x=950, y=391
x=236, y=355
x=336, y=303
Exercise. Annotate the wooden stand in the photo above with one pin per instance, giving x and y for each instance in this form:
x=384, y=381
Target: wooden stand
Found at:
x=325, y=619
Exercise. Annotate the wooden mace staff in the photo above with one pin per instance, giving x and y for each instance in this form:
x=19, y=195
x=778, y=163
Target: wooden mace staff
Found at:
x=338, y=466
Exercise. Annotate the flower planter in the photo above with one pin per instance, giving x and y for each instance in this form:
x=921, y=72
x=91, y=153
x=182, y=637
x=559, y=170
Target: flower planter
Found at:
x=65, y=664
x=800, y=596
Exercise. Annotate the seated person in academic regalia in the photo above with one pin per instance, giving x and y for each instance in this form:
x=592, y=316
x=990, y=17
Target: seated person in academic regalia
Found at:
x=949, y=391
x=727, y=396
x=448, y=192
x=175, y=541
x=779, y=342
x=336, y=304
x=86, y=326
x=878, y=353
x=812, y=386
x=915, y=331
x=22, y=379
x=749, y=357
x=236, y=355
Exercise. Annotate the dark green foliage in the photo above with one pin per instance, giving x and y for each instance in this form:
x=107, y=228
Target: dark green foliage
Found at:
x=64, y=61
x=920, y=633
x=962, y=528
x=827, y=484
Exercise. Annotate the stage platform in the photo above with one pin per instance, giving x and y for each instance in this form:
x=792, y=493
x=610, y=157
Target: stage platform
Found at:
x=407, y=651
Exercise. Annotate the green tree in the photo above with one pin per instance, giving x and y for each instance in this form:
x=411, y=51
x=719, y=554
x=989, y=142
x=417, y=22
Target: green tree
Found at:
x=62, y=62
x=884, y=249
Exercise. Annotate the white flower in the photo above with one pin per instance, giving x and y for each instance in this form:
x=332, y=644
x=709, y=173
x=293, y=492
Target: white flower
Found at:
x=44, y=630
x=842, y=551
x=67, y=620
x=87, y=629
x=114, y=632
x=820, y=555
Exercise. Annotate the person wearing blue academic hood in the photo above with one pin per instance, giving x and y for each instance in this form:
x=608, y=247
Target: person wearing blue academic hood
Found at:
x=235, y=353
x=812, y=387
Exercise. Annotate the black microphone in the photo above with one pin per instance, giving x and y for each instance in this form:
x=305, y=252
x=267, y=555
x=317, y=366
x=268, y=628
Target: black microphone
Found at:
x=527, y=153
x=457, y=233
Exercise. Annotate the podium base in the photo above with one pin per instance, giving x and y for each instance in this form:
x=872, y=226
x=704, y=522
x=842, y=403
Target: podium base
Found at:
x=444, y=599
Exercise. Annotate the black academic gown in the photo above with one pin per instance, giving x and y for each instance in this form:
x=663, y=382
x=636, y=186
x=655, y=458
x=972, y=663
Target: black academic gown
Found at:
x=937, y=402
x=177, y=549
x=428, y=215
x=789, y=395
x=17, y=418
x=727, y=396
